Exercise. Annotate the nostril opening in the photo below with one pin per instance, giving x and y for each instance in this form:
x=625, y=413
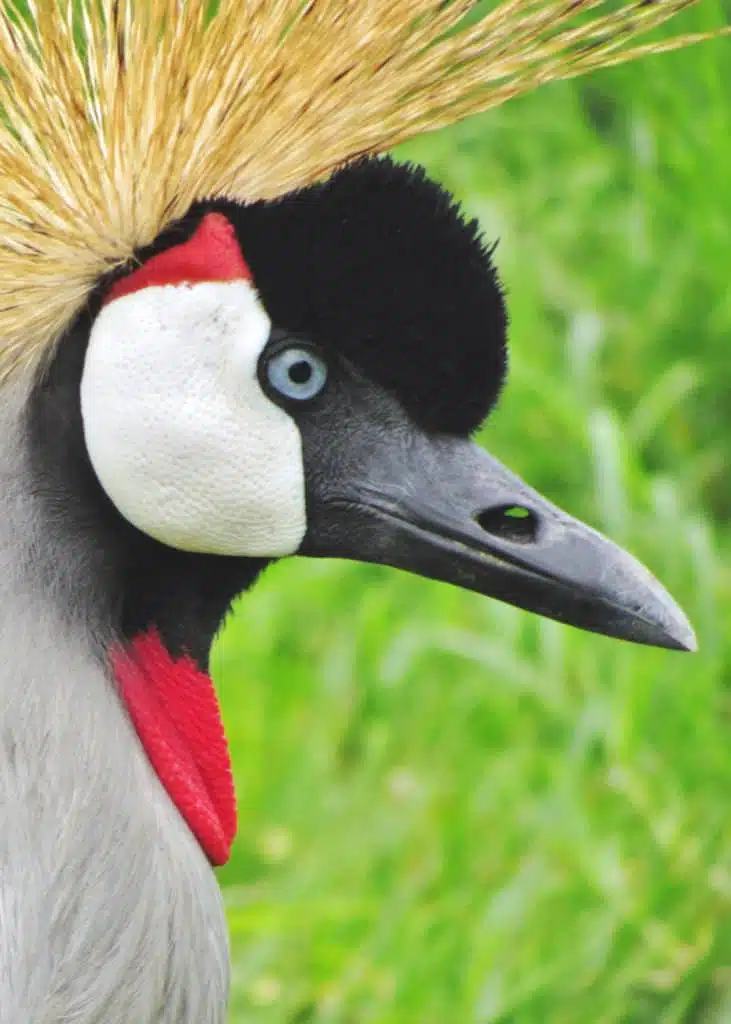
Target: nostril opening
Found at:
x=510, y=522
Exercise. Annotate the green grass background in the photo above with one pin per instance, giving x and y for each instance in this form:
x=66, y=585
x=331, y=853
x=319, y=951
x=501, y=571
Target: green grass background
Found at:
x=452, y=811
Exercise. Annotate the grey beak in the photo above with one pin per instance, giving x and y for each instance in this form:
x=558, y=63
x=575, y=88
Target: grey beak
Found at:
x=445, y=509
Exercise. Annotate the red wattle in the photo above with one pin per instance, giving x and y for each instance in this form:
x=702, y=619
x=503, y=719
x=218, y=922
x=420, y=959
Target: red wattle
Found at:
x=213, y=253
x=175, y=711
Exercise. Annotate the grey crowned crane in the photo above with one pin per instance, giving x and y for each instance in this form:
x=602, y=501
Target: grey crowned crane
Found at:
x=231, y=332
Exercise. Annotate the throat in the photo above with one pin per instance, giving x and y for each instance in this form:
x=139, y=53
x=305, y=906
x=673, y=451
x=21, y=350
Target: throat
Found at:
x=174, y=708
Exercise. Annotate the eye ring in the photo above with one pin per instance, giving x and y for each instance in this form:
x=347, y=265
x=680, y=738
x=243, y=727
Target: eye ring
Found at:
x=295, y=371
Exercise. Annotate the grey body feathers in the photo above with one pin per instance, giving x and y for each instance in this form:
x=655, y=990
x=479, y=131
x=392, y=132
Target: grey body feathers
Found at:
x=109, y=911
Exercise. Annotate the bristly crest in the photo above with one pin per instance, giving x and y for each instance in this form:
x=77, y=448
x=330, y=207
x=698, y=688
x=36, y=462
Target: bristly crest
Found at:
x=119, y=114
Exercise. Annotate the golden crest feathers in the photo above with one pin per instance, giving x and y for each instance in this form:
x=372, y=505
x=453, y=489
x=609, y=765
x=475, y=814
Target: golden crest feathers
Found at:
x=118, y=114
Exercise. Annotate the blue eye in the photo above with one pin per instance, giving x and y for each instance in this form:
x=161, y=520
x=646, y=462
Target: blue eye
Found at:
x=297, y=372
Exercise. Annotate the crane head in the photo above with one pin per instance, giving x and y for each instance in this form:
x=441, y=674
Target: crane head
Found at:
x=303, y=377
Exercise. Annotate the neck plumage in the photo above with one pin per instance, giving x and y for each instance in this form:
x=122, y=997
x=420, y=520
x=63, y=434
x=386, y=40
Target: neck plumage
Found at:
x=175, y=711
x=108, y=907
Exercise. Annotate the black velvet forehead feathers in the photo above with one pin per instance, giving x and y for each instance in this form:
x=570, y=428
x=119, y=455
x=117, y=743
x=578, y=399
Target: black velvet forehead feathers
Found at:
x=379, y=265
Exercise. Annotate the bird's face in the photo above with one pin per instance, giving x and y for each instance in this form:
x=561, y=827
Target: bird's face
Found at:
x=304, y=376
x=184, y=398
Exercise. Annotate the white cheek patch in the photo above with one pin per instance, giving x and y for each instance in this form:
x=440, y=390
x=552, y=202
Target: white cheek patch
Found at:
x=180, y=434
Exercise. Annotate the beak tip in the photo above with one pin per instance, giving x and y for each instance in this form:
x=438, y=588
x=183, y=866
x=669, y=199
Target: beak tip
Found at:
x=689, y=642
x=665, y=624
x=679, y=634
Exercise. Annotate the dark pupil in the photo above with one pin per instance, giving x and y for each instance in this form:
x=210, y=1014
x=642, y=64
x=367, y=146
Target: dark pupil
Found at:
x=300, y=373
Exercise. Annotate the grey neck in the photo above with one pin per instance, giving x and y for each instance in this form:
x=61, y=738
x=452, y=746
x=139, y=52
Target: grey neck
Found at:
x=109, y=911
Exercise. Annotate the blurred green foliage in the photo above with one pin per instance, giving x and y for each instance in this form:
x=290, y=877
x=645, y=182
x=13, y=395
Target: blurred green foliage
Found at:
x=452, y=811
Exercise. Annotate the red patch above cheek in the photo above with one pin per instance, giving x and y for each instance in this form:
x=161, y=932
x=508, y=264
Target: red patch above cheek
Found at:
x=212, y=254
